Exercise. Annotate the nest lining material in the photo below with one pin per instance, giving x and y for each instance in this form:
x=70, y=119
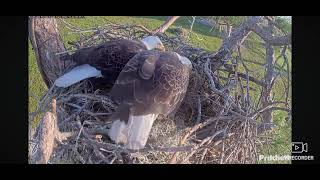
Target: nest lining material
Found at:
x=201, y=132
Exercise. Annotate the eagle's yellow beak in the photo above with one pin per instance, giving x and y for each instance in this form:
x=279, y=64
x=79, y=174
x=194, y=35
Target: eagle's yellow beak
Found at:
x=161, y=47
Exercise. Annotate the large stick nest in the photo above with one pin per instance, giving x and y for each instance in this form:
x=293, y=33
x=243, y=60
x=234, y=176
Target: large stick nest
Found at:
x=206, y=128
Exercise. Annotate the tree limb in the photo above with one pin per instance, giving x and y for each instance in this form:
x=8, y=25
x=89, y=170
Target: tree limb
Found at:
x=236, y=38
x=244, y=76
x=272, y=40
x=166, y=24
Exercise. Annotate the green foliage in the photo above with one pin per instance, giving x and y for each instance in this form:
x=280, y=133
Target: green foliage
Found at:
x=284, y=23
x=37, y=87
x=280, y=144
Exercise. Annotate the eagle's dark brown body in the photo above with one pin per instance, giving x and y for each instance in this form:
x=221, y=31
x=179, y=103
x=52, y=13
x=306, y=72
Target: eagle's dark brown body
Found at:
x=151, y=82
x=110, y=58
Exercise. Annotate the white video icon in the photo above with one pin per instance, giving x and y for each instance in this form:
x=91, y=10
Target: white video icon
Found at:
x=299, y=147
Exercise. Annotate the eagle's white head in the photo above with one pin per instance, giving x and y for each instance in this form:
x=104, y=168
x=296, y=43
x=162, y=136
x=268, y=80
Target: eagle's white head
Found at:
x=184, y=60
x=153, y=42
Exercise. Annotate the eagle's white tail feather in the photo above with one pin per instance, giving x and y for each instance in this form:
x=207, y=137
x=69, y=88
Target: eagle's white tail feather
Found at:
x=77, y=74
x=133, y=135
x=117, y=132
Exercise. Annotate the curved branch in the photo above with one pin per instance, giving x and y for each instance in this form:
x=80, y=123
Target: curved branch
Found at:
x=236, y=38
x=242, y=75
x=272, y=40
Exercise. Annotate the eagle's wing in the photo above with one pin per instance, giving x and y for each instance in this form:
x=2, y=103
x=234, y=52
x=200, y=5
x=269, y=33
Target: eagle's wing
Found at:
x=151, y=83
x=105, y=60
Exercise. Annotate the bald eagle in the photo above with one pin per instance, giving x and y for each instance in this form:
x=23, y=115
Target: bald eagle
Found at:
x=104, y=63
x=151, y=83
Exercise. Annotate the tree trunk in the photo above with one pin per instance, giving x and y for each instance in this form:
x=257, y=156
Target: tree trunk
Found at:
x=166, y=24
x=46, y=42
x=267, y=118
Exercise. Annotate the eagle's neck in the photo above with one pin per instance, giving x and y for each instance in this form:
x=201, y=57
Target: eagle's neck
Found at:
x=149, y=43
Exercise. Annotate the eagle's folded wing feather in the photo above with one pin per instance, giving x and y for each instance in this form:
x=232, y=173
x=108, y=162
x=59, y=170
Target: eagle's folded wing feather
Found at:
x=151, y=83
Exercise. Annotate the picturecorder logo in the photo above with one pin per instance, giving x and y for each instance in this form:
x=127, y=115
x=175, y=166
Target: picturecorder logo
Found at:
x=299, y=147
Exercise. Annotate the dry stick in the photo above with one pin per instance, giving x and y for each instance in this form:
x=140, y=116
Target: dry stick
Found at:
x=89, y=112
x=223, y=142
x=147, y=149
x=218, y=76
x=253, y=144
x=103, y=36
x=144, y=28
x=229, y=134
x=191, y=26
x=277, y=59
x=210, y=138
x=103, y=145
x=191, y=131
x=236, y=77
x=207, y=72
x=288, y=74
x=168, y=149
x=70, y=26
x=100, y=155
x=254, y=148
x=243, y=118
x=104, y=150
x=95, y=148
x=247, y=76
x=235, y=151
x=72, y=50
x=284, y=83
x=42, y=105
x=243, y=136
x=241, y=89
x=202, y=155
x=102, y=32
x=79, y=133
x=222, y=151
x=253, y=62
x=213, y=89
x=78, y=30
x=80, y=157
x=199, y=110
x=81, y=31
x=234, y=148
x=268, y=107
x=74, y=115
x=259, y=99
x=166, y=24
x=114, y=158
